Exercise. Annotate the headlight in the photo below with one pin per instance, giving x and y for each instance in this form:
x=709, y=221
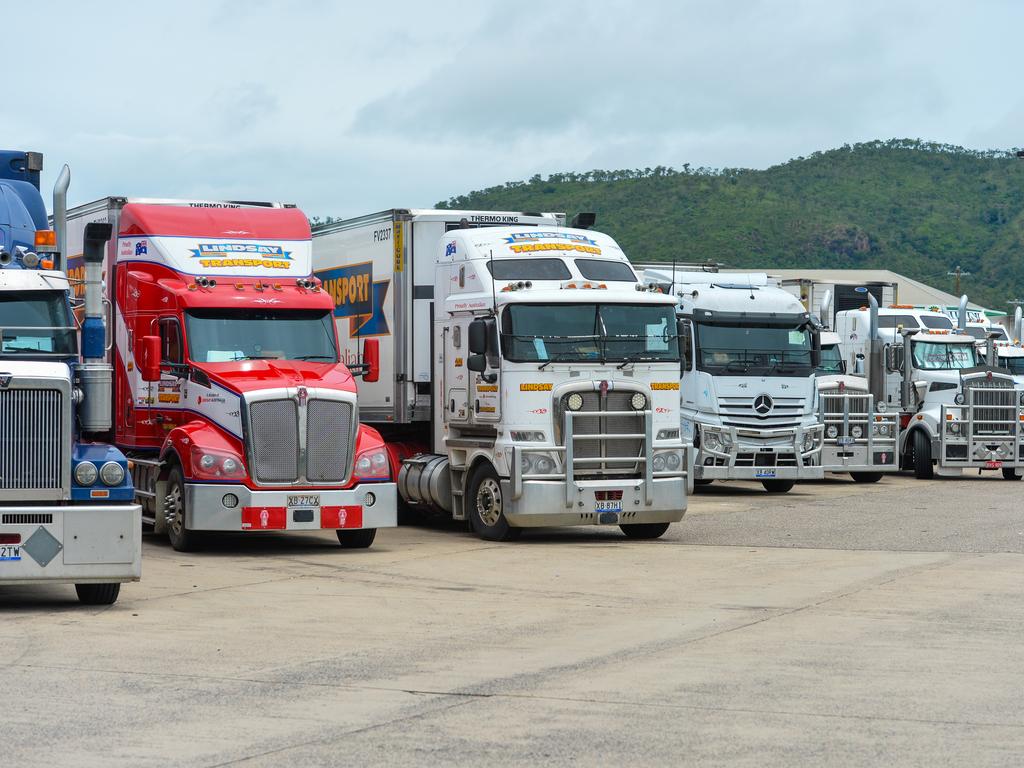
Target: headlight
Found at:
x=545, y=465
x=808, y=441
x=373, y=465
x=959, y=399
x=658, y=464
x=112, y=473
x=210, y=464
x=881, y=429
x=525, y=464
x=832, y=432
x=711, y=440
x=638, y=401
x=672, y=461
x=1022, y=398
x=668, y=434
x=86, y=473
x=880, y=406
x=953, y=427
x=207, y=461
x=574, y=401
x=857, y=431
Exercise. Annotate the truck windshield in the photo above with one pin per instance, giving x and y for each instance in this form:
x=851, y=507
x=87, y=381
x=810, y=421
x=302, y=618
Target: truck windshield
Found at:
x=1014, y=365
x=37, y=322
x=831, y=361
x=754, y=348
x=937, y=356
x=589, y=333
x=223, y=335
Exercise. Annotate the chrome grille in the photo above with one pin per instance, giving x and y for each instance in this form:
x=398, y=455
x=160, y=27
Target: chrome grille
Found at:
x=854, y=406
x=994, y=404
x=328, y=441
x=739, y=412
x=31, y=438
x=596, y=403
x=274, y=436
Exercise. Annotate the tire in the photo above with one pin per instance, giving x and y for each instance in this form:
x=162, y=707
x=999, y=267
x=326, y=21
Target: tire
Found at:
x=866, y=477
x=486, y=508
x=778, y=486
x=98, y=594
x=703, y=482
x=182, y=539
x=361, y=539
x=644, y=530
x=1010, y=473
x=923, y=469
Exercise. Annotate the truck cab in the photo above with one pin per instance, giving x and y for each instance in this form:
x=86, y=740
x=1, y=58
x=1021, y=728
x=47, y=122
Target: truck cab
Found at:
x=955, y=411
x=748, y=394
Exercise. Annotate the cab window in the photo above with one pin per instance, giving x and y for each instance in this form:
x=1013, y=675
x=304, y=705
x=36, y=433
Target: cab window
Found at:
x=170, y=340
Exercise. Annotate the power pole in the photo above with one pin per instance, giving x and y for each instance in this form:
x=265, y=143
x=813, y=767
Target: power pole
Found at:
x=958, y=273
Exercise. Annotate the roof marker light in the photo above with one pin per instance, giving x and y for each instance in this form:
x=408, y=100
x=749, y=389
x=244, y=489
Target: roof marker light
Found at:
x=45, y=240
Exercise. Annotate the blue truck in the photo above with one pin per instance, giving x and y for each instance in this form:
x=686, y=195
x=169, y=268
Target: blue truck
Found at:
x=67, y=510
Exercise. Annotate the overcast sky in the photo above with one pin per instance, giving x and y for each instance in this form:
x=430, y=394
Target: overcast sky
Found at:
x=348, y=108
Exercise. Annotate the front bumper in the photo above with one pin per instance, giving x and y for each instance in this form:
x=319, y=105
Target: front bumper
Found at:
x=858, y=458
x=970, y=447
x=622, y=502
x=81, y=544
x=769, y=454
x=369, y=505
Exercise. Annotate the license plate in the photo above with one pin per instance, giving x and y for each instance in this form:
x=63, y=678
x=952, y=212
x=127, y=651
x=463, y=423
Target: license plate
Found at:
x=309, y=500
x=845, y=441
x=993, y=465
x=607, y=506
x=765, y=473
x=10, y=551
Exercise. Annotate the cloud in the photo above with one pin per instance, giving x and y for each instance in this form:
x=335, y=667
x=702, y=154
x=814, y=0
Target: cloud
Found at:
x=346, y=109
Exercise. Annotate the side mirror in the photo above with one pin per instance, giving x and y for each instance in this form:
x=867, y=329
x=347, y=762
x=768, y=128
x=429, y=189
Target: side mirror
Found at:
x=894, y=358
x=150, y=368
x=371, y=360
x=478, y=337
x=477, y=363
x=815, y=349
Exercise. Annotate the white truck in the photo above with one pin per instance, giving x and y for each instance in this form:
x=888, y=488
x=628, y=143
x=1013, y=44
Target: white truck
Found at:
x=823, y=298
x=527, y=377
x=748, y=397
x=955, y=412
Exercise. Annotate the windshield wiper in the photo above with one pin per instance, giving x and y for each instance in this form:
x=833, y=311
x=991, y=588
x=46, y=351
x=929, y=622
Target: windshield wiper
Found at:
x=314, y=357
x=257, y=357
x=553, y=359
x=744, y=365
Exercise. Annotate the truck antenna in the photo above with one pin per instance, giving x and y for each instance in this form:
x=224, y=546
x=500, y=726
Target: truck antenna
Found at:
x=672, y=290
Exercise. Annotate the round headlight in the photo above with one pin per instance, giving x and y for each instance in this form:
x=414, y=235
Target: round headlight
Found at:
x=112, y=473
x=954, y=427
x=230, y=501
x=525, y=464
x=207, y=461
x=832, y=431
x=86, y=473
x=574, y=402
x=959, y=399
x=882, y=429
x=659, y=462
x=672, y=461
x=880, y=406
x=638, y=401
x=230, y=465
x=857, y=431
x=379, y=460
x=1022, y=398
x=544, y=465
x=363, y=465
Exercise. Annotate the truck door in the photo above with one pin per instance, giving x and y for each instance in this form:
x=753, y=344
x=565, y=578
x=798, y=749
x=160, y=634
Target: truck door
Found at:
x=455, y=383
x=171, y=388
x=485, y=395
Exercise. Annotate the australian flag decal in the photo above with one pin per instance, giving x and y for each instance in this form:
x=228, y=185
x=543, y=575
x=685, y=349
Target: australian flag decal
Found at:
x=140, y=248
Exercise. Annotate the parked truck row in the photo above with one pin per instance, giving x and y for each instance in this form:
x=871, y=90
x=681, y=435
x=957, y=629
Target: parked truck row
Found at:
x=201, y=366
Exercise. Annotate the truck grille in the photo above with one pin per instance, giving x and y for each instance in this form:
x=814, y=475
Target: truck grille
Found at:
x=328, y=441
x=596, y=403
x=277, y=446
x=995, y=407
x=31, y=438
x=274, y=436
x=739, y=412
x=834, y=405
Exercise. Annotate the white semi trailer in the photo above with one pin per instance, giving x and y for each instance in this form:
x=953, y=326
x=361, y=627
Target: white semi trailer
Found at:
x=955, y=412
x=527, y=377
x=748, y=397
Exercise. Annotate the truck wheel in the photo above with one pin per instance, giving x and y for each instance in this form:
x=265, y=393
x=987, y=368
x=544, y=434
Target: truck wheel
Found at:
x=866, y=477
x=923, y=469
x=778, y=486
x=1010, y=473
x=98, y=594
x=182, y=539
x=644, y=530
x=361, y=539
x=486, y=506
x=703, y=482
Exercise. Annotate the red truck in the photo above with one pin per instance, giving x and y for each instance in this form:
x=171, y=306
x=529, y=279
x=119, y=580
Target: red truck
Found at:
x=229, y=396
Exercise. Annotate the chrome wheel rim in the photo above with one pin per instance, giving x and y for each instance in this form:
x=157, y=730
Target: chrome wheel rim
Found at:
x=174, y=510
x=488, y=502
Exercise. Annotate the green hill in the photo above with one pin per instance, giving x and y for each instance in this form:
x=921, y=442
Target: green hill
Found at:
x=913, y=207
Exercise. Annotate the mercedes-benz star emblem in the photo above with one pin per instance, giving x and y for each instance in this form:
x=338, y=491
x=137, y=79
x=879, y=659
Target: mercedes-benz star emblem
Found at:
x=763, y=405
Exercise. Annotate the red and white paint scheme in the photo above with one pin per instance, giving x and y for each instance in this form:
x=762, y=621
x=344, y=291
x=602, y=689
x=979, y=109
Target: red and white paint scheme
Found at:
x=229, y=394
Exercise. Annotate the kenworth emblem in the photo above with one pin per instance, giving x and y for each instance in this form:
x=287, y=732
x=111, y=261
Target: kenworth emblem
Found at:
x=303, y=396
x=763, y=405
x=5, y=380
